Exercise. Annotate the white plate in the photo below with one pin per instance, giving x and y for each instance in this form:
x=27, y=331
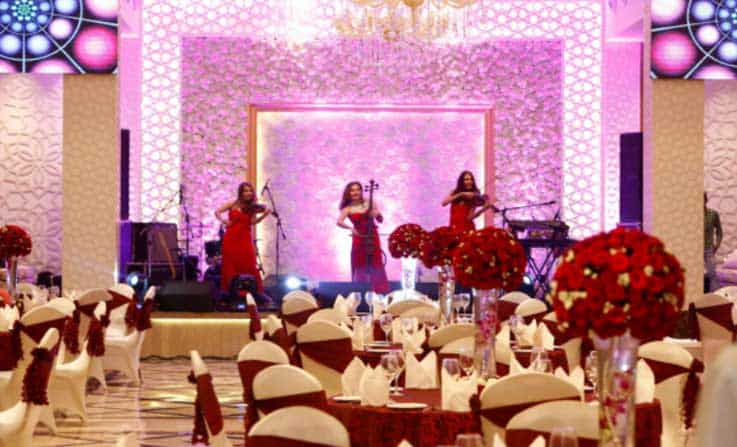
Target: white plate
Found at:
x=347, y=398
x=378, y=350
x=406, y=405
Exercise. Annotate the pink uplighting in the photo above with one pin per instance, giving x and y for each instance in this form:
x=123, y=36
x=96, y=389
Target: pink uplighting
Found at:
x=673, y=53
x=53, y=66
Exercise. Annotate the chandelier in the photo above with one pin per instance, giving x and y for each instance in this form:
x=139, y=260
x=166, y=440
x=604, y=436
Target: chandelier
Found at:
x=404, y=20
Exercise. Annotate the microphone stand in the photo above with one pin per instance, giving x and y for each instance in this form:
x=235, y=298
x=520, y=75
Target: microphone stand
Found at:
x=187, y=235
x=279, y=227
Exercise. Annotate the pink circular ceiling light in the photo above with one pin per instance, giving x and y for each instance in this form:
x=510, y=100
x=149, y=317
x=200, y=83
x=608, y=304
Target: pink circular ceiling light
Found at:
x=96, y=48
x=673, y=53
x=667, y=11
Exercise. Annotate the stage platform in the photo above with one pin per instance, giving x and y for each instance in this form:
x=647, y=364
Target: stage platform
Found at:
x=213, y=334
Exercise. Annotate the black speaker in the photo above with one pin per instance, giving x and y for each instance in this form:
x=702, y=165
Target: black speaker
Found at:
x=186, y=296
x=125, y=140
x=630, y=179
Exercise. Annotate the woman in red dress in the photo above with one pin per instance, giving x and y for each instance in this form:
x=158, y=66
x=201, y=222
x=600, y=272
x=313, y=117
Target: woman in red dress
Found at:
x=466, y=203
x=365, y=238
x=239, y=253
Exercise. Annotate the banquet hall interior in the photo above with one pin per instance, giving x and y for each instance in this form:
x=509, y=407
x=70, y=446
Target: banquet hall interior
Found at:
x=535, y=207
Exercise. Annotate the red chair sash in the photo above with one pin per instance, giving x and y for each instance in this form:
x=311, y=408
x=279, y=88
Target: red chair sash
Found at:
x=95, y=338
x=500, y=416
x=335, y=354
x=379, y=334
x=131, y=315
x=254, y=325
x=523, y=438
x=248, y=370
x=275, y=441
x=281, y=338
x=143, y=320
x=506, y=309
x=117, y=301
x=37, y=331
x=315, y=399
x=298, y=318
x=720, y=314
x=71, y=333
x=207, y=409
x=664, y=371
x=36, y=377
x=534, y=317
x=87, y=309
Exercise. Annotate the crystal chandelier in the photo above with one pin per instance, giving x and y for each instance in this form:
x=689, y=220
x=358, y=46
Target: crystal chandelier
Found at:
x=403, y=20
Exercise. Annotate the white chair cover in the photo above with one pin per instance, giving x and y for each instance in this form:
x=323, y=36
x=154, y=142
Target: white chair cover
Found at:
x=530, y=307
x=718, y=402
x=300, y=294
x=398, y=307
x=303, y=424
x=447, y=334
x=544, y=418
x=332, y=315
x=323, y=331
x=714, y=335
x=207, y=403
x=281, y=381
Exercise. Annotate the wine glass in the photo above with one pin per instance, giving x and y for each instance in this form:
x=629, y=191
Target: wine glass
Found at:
x=465, y=360
x=563, y=437
x=452, y=367
x=592, y=369
x=539, y=360
x=385, y=321
x=457, y=304
x=515, y=328
x=465, y=300
x=389, y=365
x=543, y=365
x=469, y=440
x=408, y=326
x=399, y=354
x=368, y=297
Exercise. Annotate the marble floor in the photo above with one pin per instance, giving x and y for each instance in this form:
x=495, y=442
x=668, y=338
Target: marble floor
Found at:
x=160, y=412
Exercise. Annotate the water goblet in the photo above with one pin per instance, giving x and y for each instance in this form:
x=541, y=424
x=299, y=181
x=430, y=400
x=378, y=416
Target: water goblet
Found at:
x=399, y=354
x=408, y=326
x=465, y=360
x=389, y=365
x=452, y=367
x=592, y=369
x=465, y=299
x=457, y=304
x=563, y=437
x=385, y=321
x=368, y=297
x=515, y=329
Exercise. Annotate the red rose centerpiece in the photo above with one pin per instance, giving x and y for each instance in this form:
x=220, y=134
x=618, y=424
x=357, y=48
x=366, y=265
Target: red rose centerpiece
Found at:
x=404, y=243
x=489, y=260
x=14, y=243
x=620, y=287
x=436, y=250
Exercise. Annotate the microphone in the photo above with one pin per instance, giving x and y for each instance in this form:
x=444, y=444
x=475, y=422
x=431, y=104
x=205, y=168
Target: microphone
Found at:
x=265, y=187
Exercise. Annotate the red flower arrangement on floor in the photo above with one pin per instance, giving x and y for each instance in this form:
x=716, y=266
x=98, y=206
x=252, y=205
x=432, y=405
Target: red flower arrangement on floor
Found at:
x=490, y=258
x=615, y=281
x=14, y=242
x=405, y=240
x=436, y=250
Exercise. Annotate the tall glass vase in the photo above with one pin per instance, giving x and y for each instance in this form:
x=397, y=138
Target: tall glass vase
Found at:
x=409, y=277
x=446, y=290
x=12, y=272
x=485, y=310
x=617, y=373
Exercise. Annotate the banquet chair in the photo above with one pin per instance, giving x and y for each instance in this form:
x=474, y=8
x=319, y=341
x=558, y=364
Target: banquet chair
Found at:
x=282, y=386
x=572, y=346
x=254, y=358
x=124, y=296
x=63, y=305
x=300, y=294
x=675, y=371
x=331, y=315
x=397, y=308
x=447, y=334
x=18, y=422
x=531, y=309
x=542, y=419
x=33, y=326
x=423, y=314
x=123, y=353
x=503, y=399
x=456, y=346
x=718, y=402
x=68, y=384
x=715, y=321
x=508, y=304
x=325, y=350
x=503, y=355
x=85, y=307
x=209, y=426
x=295, y=312
x=298, y=426
x=729, y=292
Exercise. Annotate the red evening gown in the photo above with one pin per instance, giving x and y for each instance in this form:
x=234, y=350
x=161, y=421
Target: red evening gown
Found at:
x=239, y=254
x=459, y=216
x=375, y=275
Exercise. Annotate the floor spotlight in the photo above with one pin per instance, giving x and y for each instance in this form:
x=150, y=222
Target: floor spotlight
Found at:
x=293, y=282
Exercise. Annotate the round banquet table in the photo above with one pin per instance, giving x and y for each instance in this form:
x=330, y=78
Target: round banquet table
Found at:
x=431, y=426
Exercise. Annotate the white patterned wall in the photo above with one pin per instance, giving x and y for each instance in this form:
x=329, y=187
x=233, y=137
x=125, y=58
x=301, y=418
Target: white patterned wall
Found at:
x=577, y=22
x=720, y=156
x=31, y=162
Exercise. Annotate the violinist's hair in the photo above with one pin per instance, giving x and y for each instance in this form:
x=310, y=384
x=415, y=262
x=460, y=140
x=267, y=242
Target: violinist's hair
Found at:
x=459, y=183
x=346, y=200
x=242, y=188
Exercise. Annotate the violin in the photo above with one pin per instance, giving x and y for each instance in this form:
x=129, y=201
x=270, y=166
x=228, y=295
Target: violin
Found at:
x=480, y=199
x=256, y=208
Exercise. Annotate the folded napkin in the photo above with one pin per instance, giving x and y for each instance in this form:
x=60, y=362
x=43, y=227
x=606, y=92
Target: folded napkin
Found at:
x=515, y=367
x=543, y=338
x=576, y=377
x=526, y=333
x=413, y=343
x=421, y=375
x=271, y=324
x=358, y=336
x=503, y=336
x=397, y=332
x=340, y=304
x=645, y=384
x=378, y=310
x=4, y=324
x=351, y=378
x=538, y=442
x=374, y=387
x=455, y=394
